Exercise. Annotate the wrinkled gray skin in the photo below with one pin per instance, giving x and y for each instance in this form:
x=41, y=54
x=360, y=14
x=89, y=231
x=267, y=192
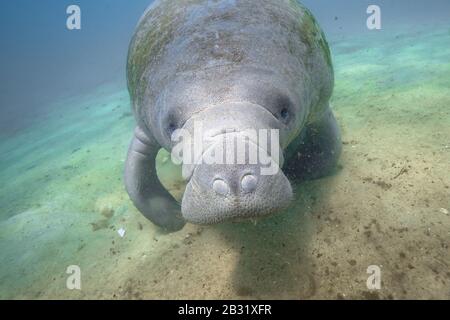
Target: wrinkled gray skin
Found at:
x=235, y=65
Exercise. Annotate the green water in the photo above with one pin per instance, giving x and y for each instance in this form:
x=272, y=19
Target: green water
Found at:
x=62, y=198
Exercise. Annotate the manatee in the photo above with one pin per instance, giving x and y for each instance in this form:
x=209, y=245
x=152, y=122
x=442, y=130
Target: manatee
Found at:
x=233, y=66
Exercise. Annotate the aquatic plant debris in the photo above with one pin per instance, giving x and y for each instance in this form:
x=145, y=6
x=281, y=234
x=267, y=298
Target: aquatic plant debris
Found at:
x=121, y=232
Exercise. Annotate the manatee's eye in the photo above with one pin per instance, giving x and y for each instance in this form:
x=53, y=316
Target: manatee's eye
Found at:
x=283, y=107
x=284, y=114
x=171, y=124
x=171, y=127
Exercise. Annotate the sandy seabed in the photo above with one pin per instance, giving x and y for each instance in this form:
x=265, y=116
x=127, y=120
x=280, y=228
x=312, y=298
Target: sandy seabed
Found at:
x=62, y=198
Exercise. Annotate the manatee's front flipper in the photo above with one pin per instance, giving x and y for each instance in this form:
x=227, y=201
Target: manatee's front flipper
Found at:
x=144, y=187
x=314, y=154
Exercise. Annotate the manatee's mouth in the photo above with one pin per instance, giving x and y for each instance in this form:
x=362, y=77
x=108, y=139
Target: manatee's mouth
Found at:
x=204, y=206
x=217, y=193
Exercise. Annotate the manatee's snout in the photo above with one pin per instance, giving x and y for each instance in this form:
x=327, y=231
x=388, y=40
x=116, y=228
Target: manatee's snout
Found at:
x=223, y=192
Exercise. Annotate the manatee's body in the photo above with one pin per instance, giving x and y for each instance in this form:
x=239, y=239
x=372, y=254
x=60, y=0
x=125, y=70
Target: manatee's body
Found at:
x=232, y=65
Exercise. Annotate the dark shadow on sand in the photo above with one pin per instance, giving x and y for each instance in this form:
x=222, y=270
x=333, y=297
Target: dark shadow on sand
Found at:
x=274, y=255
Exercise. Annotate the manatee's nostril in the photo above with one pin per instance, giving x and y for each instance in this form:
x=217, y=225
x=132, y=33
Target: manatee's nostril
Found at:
x=220, y=187
x=249, y=183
